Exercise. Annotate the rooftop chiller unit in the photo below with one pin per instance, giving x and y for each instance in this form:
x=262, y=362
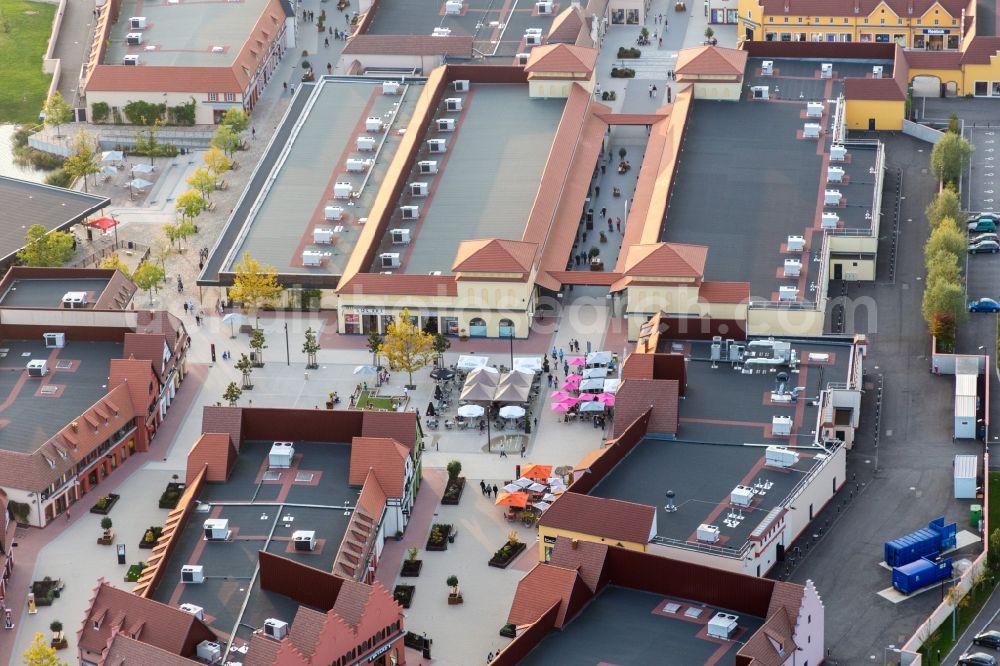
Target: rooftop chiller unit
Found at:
x=781, y=426
x=453, y=7
x=453, y=104
x=137, y=23
x=767, y=68
x=312, y=258
x=304, y=539
x=74, y=299
x=462, y=85
x=741, y=496
x=342, y=190
x=133, y=38
x=410, y=212
x=366, y=143
x=796, y=243
x=966, y=471
x=333, y=212
x=193, y=574
x=38, y=367
x=322, y=235
x=54, y=340
x=441, y=32
x=131, y=59
x=838, y=153
x=544, y=7
x=826, y=70
x=707, y=533
x=389, y=260
x=400, y=236
x=788, y=294
x=437, y=145
x=390, y=87
x=760, y=92
x=191, y=609
x=814, y=110
x=829, y=220
x=280, y=456
x=358, y=166
x=216, y=529
x=210, y=652
x=877, y=71
x=793, y=267
x=780, y=456
x=522, y=58
x=834, y=174
x=811, y=130
x=446, y=124
x=532, y=39
x=832, y=197
x=419, y=189
x=723, y=625
x=427, y=166
x=274, y=628
x=373, y=124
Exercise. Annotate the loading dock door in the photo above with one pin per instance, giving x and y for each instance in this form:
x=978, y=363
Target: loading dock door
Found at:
x=926, y=86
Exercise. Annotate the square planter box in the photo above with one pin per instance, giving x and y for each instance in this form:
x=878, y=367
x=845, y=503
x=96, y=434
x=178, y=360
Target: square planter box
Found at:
x=403, y=594
x=411, y=569
x=445, y=531
x=453, y=491
x=503, y=562
x=112, y=500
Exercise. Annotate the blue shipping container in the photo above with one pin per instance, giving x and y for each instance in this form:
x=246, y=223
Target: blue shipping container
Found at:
x=935, y=538
x=915, y=575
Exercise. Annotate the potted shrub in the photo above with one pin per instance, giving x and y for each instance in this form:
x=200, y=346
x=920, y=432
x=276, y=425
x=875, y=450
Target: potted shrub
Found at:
x=104, y=504
x=411, y=565
x=403, y=594
x=454, y=594
x=399, y=535
x=58, y=637
x=329, y=400
x=507, y=552
x=150, y=536
x=109, y=535
x=508, y=631
x=438, y=539
x=456, y=484
x=604, y=237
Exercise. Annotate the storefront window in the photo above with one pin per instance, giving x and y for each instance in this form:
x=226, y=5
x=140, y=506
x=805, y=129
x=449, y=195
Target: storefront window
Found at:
x=995, y=89
x=352, y=323
x=506, y=328
x=477, y=327
x=632, y=16
x=919, y=42
x=982, y=88
x=769, y=36
x=786, y=36
x=953, y=42
x=865, y=38
x=882, y=38
x=831, y=37
x=618, y=16
x=386, y=320
x=450, y=325
x=900, y=39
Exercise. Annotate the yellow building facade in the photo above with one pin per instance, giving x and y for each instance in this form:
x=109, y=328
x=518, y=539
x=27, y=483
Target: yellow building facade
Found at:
x=547, y=541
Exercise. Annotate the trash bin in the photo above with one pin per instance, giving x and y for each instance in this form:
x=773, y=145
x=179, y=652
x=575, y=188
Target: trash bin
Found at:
x=975, y=514
x=253, y=357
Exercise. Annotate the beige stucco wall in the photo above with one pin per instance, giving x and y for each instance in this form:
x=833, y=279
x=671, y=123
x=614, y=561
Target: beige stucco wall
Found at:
x=727, y=92
x=548, y=87
x=423, y=63
x=854, y=269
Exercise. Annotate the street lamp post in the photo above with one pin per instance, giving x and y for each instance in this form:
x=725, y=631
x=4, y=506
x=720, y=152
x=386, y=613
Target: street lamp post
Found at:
x=886, y=651
x=115, y=218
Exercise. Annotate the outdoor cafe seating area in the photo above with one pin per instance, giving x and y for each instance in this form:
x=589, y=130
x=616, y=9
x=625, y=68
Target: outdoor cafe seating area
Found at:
x=588, y=392
x=529, y=496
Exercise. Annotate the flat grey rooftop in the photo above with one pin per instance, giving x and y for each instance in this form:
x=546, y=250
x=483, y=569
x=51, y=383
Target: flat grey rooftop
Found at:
x=25, y=203
x=483, y=20
x=489, y=176
x=746, y=182
x=620, y=627
x=230, y=565
x=798, y=78
x=185, y=33
x=301, y=184
x=37, y=293
x=28, y=417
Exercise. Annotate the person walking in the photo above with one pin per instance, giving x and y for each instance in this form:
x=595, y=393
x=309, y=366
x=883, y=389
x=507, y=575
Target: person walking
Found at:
x=495, y=490
x=560, y=354
x=503, y=450
x=650, y=91
x=482, y=486
x=565, y=368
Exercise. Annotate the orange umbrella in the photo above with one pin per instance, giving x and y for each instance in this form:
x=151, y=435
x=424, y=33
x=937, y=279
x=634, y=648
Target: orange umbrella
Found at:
x=534, y=471
x=515, y=500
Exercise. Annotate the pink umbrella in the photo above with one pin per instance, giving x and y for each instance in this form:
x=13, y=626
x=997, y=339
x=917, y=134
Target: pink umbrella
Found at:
x=607, y=398
x=573, y=378
x=578, y=360
x=559, y=395
x=561, y=407
x=587, y=396
x=571, y=385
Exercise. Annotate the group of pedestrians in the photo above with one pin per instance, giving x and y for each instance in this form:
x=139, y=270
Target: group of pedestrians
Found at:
x=488, y=490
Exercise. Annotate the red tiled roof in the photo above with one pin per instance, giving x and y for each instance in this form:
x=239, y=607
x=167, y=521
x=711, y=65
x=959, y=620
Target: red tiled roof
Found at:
x=544, y=586
x=494, y=255
x=610, y=519
x=159, y=321
x=566, y=26
x=409, y=45
x=214, y=450
x=587, y=557
x=157, y=79
x=305, y=630
x=709, y=60
x=873, y=89
x=638, y=366
x=635, y=396
x=224, y=419
x=383, y=456
x=400, y=426
x=981, y=51
x=125, y=651
x=117, y=294
x=263, y=651
x=140, y=378
x=147, y=346
x=401, y=285
x=666, y=260
x=351, y=601
x=362, y=530
x=724, y=292
x=935, y=59
x=562, y=58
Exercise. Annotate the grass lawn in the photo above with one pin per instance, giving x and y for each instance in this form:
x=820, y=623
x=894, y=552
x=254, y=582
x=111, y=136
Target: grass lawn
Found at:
x=367, y=400
x=24, y=36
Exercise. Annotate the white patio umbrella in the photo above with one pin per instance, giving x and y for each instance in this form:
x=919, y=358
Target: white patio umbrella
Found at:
x=365, y=370
x=536, y=488
x=556, y=481
x=472, y=362
x=109, y=171
x=139, y=183
x=592, y=373
x=528, y=363
x=541, y=506
x=471, y=411
x=112, y=156
x=611, y=385
x=592, y=385
x=512, y=488
x=142, y=168
x=548, y=497
x=598, y=358
x=511, y=412
x=523, y=482
x=234, y=319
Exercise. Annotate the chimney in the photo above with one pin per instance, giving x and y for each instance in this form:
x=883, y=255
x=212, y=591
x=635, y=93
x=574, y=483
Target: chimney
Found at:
x=574, y=543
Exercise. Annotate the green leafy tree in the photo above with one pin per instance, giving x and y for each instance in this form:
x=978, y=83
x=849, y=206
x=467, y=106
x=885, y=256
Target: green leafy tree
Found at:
x=255, y=285
x=943, y=298
x=943, y=267
x=190, y=204
x=226, y=140
x=993, y=558
x=950, y=157
x=310, y=348
x=45, y=248
x=245, y=366
x=441, y=345
x=953, y=125
x=232, y=394
x=406, y=347
x=113, y=261
x=202, y=181
x=945, y=204
x=217, y=162
x=374, y=346
x=57, y=112
x=258, y=344
x=148, y=276
x=236, y=119
x=946, y=237
x=82, y=160
x=39, y=653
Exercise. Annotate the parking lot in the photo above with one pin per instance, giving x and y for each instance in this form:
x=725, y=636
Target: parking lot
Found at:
x=987, y=620
x=982, y=191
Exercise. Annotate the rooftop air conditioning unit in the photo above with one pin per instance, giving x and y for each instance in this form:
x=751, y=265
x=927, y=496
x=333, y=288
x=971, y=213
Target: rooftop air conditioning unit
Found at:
x=793, y=267
x=788, y=293
x=427, y=166
x=366, y=143
x=38, y=368
x=533, y=40
x=191, y=609
x=453, y=7
x=838, y=153
x=131, y=59
x=400, y=236
x=441, y=32
x=453, y=104
x=54, y=340
x=796, y=243
x=216, y=529
x=544, y=7
x=760, y=92
x=75, y=299
x=275, y=629
x=133, y=38
x=373, y=124
x=410, y=212
x=333, y=212
x=811, y=131
x=437, y=146
x=280, y=456
x=210, y=652
x=304, y=539
x=723, y=625
x=419, y=189
x=312, y=258
x=832, y=197
x=829, y=221
x=533, y=31
x=193, y=574
x=780, y=456
x=814, y=110
x=522, y=58
x=462, y=85
x=358, y=166
x=877, y=71
x=137, y=23
x=781, y=426
x=834, y=174
x=390, y=87
x=767, y=68
x=446, y=124
x=707, y=533
x=323, y=235
x=741, y=496
x=342, y=190
x=389, y=260
x=826, y=70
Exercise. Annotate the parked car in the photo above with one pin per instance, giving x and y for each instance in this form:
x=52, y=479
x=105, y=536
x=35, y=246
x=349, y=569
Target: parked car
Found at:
x=984, y=305
x=977, y=659
x=990, y=639
x=985, y=216
x=986, y=246
x=983, y=224
x=984, y=237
